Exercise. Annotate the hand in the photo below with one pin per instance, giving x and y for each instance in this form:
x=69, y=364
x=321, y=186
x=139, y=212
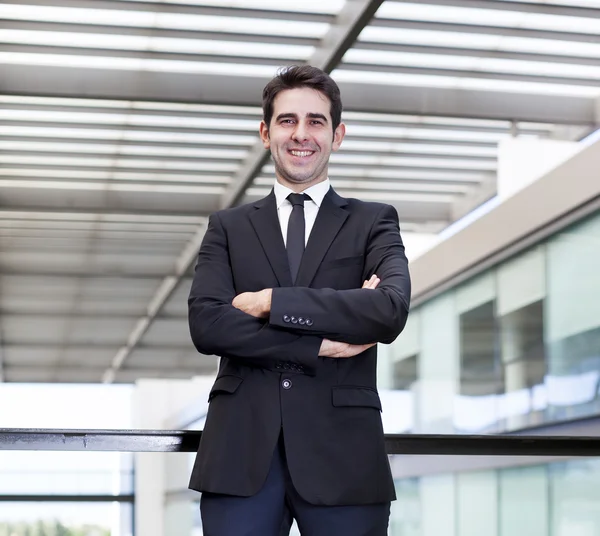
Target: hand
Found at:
x=340, y=350
x=257, y=304
x=372, y=283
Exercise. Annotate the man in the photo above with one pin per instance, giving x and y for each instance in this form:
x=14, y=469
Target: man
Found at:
x=293, y=292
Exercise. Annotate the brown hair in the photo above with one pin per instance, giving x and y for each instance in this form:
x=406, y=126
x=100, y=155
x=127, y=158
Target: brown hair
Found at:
x=297, y=76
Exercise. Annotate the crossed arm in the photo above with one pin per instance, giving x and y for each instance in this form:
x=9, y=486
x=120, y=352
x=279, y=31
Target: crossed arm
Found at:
x=235, y=326
x=258, y=305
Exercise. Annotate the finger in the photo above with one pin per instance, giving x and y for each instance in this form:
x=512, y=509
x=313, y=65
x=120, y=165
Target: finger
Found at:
x=367, y=283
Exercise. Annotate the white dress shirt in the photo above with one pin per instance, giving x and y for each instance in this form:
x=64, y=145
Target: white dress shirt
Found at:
x=311, y=208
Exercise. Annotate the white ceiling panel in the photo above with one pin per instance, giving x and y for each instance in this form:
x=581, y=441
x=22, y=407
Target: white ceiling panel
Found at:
x=177, y=303
x=54, y=330
x=168, y=331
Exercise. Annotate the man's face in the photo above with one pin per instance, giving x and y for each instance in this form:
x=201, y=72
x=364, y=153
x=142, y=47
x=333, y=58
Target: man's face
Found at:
x=301, y=137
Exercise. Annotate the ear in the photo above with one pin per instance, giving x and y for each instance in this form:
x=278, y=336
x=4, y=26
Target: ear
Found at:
x=338, y=136
x=264, y=135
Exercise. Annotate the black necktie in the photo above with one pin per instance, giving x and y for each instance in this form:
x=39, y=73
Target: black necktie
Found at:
x=295, y=233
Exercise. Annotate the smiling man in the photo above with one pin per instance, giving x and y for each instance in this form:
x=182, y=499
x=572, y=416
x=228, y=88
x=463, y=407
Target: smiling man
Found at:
x=293, y=292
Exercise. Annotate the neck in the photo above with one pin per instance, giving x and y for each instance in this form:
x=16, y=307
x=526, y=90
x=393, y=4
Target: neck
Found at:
x=299, y=187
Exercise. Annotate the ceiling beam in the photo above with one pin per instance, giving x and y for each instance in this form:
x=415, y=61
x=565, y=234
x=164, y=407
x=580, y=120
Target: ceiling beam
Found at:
x=37, y=80
x=343, y=32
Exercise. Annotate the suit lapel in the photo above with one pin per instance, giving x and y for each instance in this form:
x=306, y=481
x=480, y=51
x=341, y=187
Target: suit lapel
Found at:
x=330, y=218
x=266, y=224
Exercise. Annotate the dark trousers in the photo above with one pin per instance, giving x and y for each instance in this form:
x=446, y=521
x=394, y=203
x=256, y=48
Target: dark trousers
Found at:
x=270, y=512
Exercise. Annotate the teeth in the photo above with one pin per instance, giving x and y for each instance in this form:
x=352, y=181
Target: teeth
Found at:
x=301, y=153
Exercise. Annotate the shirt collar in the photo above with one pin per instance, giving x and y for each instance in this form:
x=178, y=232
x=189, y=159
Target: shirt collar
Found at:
x=317, y=192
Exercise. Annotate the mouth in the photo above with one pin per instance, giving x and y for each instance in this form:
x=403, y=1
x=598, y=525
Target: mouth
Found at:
x=301, y=154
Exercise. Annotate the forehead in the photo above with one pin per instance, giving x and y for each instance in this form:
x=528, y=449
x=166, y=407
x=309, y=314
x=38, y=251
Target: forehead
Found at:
x=301, y=101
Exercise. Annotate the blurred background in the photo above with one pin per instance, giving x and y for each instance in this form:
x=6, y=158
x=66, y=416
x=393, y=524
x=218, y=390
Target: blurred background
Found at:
x=125, y=123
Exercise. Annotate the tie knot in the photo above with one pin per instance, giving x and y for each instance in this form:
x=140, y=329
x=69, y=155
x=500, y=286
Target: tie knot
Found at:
x=297, y=199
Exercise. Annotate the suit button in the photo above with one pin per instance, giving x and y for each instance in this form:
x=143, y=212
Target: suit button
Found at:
x=286, y=318
x=286, y=384
x=293, y=320
x=301, y=321
x=309, y=322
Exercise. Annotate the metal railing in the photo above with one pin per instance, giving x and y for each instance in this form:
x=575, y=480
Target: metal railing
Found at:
x=188, y=441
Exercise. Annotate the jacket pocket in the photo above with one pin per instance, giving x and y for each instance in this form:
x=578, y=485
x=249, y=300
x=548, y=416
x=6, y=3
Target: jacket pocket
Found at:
x=355, y=396
x=225, y=384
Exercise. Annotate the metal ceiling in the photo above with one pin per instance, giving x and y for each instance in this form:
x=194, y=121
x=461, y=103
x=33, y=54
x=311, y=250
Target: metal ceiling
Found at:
x=124, y=123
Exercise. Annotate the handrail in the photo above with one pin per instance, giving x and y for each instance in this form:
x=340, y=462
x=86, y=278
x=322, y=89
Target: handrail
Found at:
x=188, y=441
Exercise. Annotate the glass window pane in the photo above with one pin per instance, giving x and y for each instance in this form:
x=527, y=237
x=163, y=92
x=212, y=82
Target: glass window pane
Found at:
x=438, y=365
x=524, y=501
x=573, y=321
x=477, y=508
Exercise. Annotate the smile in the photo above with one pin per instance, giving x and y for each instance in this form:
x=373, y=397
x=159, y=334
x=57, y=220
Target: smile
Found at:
x=301, y=153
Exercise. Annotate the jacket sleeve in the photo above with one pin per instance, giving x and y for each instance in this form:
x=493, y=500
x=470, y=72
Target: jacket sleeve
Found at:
x=356, y=316
x=218, y=328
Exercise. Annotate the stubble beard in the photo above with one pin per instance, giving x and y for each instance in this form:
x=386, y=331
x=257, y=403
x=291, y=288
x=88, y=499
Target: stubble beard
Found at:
x=301, y=177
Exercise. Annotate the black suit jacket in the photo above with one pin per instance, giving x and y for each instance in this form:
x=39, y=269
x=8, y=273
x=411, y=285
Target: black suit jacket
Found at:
x=330, y=412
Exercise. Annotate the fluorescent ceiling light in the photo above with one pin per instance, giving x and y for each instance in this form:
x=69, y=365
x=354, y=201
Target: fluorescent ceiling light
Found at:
x=110, y=186
x=375, y=196
x=127, y=135
x=487, y=17
x=470, y=63
x=435, y=81
x=173, y=21
x=388, y=147
x=89, y=174
x=425, y=120
x=157, y=44
x=579, y=3
x=138, y=64
x=399, y=161
x=400, y=174
x=132, y=105
x=331, y=7
x=110, y=228
x=415, y=186
x=59, y=101
x=139, y=150
x=423, y=133
x=195, y=152
x=129, y=120
x=397, y=196
x=85, y=161
x=474, y=41
x=92, y=216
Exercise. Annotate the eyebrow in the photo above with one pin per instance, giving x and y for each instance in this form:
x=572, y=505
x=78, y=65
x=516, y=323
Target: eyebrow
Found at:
x=311, y=115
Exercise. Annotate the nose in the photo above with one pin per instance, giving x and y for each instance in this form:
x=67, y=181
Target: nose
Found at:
x=300, y=133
